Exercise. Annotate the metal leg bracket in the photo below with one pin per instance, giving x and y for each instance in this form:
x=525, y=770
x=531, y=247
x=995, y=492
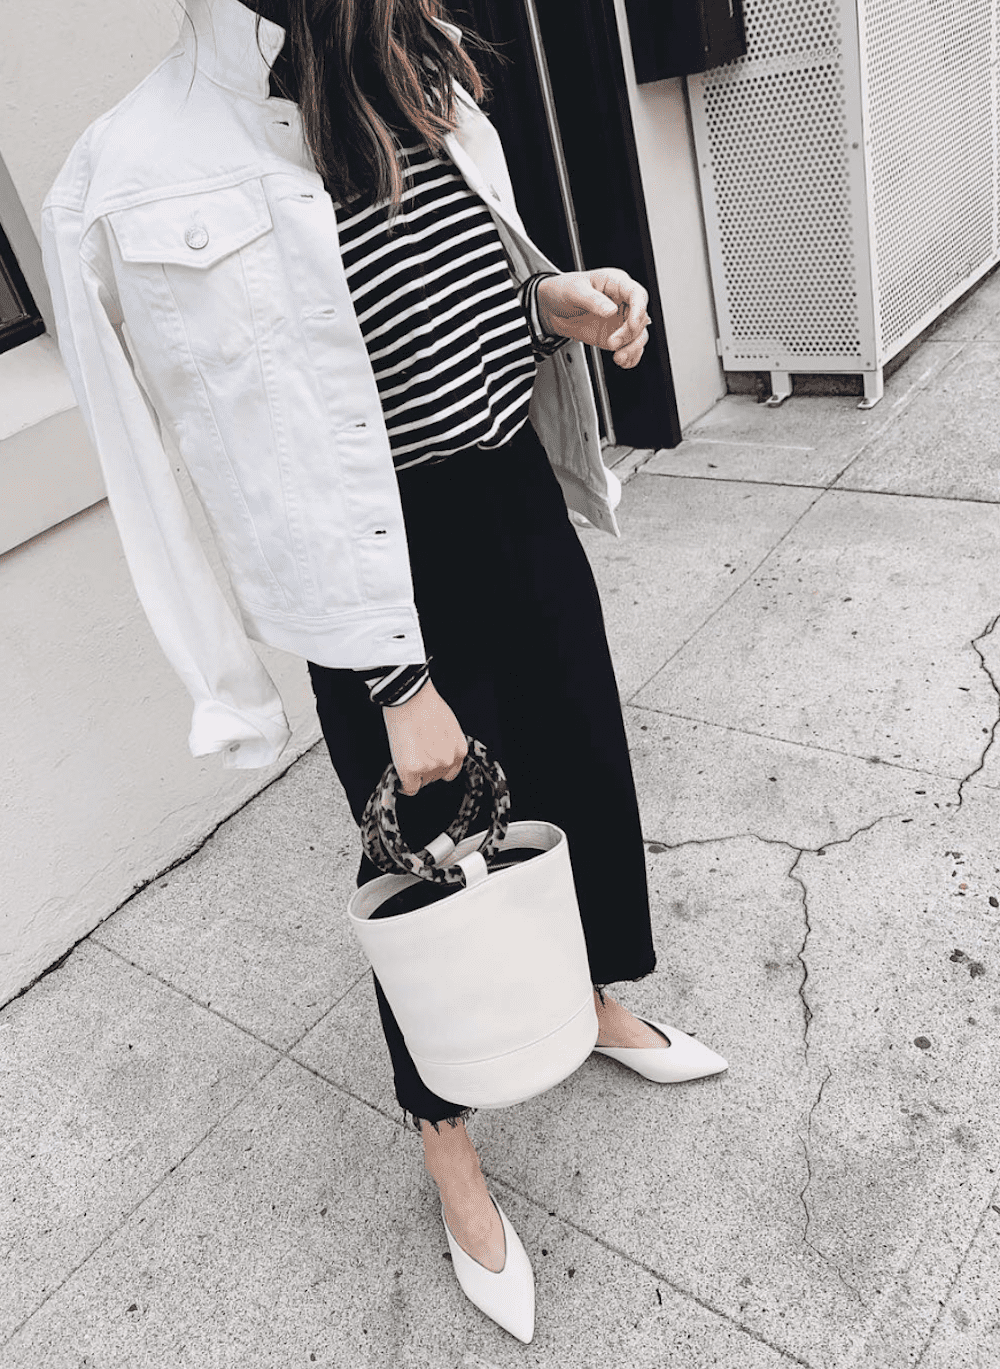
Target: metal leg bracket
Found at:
x=873, y=389
x=781, y=388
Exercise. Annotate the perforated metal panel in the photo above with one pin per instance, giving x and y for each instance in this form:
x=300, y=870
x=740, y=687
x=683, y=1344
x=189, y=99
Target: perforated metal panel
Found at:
x=929, y=90
x=848, y=176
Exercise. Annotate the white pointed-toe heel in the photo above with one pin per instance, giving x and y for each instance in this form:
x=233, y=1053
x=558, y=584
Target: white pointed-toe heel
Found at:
x=685, y=1058
x=508, y=1297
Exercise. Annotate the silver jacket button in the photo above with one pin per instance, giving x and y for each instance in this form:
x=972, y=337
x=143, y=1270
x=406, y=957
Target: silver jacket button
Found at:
x=196, y=237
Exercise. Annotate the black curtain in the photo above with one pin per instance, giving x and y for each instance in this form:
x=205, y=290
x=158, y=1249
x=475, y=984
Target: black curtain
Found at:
x=584, y=59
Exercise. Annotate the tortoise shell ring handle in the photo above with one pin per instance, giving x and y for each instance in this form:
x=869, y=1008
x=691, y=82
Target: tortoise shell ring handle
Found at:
x=384, y=845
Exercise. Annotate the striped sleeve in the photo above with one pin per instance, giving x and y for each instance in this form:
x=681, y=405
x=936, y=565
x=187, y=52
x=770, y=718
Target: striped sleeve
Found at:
x=392, y=685
x=543, y=344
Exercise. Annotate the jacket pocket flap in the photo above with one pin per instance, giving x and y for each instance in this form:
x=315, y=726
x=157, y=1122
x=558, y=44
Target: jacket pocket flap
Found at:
x=193, y=230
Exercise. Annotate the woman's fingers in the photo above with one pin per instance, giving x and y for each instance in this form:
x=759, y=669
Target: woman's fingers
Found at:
x=632, y=334
x=632, y=298
x=636, y=319
x=631, y=355
x=412, y=781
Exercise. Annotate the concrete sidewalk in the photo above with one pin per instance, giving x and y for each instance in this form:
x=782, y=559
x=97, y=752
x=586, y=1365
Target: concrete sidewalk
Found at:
x=202, y=1163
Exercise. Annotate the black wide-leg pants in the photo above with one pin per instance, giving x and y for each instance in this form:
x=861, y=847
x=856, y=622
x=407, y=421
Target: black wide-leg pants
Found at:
x=511, y=617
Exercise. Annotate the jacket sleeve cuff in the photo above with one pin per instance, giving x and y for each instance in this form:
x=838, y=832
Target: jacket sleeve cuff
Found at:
x=246, y=742
x=543, y=344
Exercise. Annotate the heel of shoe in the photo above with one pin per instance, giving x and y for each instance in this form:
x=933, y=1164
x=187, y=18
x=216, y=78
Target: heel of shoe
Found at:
x=507, y=1297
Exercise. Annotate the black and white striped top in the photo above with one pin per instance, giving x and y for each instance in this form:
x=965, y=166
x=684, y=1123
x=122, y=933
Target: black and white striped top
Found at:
x=446, y=333
x=452, y=342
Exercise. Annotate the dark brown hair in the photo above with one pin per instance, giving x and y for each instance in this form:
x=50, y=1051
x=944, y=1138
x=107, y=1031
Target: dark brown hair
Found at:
x=359, y=69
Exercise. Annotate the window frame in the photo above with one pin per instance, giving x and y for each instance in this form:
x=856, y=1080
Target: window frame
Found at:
x=49, y=470
x=30, y=324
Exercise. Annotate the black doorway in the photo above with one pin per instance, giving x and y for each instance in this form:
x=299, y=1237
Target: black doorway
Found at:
x=582, y=54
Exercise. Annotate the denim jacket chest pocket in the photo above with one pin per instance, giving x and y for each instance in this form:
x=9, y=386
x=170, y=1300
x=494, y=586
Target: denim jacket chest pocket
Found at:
x=210, y=259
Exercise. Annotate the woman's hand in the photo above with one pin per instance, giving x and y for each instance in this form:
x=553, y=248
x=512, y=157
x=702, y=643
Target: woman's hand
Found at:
x=425, y=739
x=605, y=308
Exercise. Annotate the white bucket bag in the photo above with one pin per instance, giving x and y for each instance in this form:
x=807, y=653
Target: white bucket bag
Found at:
x=478, y=946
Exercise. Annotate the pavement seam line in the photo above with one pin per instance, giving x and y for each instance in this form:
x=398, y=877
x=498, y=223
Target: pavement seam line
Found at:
x=629, y=466
x=173, y=865
x=987, y=632
x=127, y=1216
x=899, y=407
x=284, y=1051
x=282, y=1055
x=680, y=1290
x=788, y=741
x=896, y=410
x=943, y=1302
x=736, y=589
x=828, y=489
x=731, y=442
x=916, y=494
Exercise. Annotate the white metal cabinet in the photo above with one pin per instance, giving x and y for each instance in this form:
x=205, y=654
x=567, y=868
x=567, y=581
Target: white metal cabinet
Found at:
x=848, y=170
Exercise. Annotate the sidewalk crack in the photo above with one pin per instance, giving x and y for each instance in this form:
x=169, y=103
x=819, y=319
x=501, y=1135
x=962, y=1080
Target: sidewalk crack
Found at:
x=796, y=878
x=807, y=1020
x=807, y=1012
x=804, y=1191
x=992, y=732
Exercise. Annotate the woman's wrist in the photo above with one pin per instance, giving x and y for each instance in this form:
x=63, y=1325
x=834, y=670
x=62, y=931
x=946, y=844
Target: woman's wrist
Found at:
x=413, y=703
x=543, y=342
x=412, y=693
x=542, y=313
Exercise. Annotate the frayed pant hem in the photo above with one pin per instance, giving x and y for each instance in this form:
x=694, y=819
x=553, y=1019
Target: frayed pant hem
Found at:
x=412, y=1122
x=634, y=980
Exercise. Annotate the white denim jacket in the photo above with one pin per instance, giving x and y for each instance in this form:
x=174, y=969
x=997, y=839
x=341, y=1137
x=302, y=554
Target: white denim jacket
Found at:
x=200, y=296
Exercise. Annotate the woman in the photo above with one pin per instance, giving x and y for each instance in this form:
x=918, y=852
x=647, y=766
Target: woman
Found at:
x=293, y=254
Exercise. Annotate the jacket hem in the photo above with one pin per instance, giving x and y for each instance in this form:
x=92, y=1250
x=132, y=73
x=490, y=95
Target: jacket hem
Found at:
x=581, y=498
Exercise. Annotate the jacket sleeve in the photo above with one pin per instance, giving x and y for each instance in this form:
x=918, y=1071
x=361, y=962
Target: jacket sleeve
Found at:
x=237, y=709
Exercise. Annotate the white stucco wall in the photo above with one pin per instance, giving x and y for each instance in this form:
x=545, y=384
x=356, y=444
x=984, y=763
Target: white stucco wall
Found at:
x=669, y=172
x=99, y=792
x=62, y=65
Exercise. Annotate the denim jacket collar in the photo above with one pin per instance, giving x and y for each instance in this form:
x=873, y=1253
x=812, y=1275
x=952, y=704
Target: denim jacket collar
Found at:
x=227, y=50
